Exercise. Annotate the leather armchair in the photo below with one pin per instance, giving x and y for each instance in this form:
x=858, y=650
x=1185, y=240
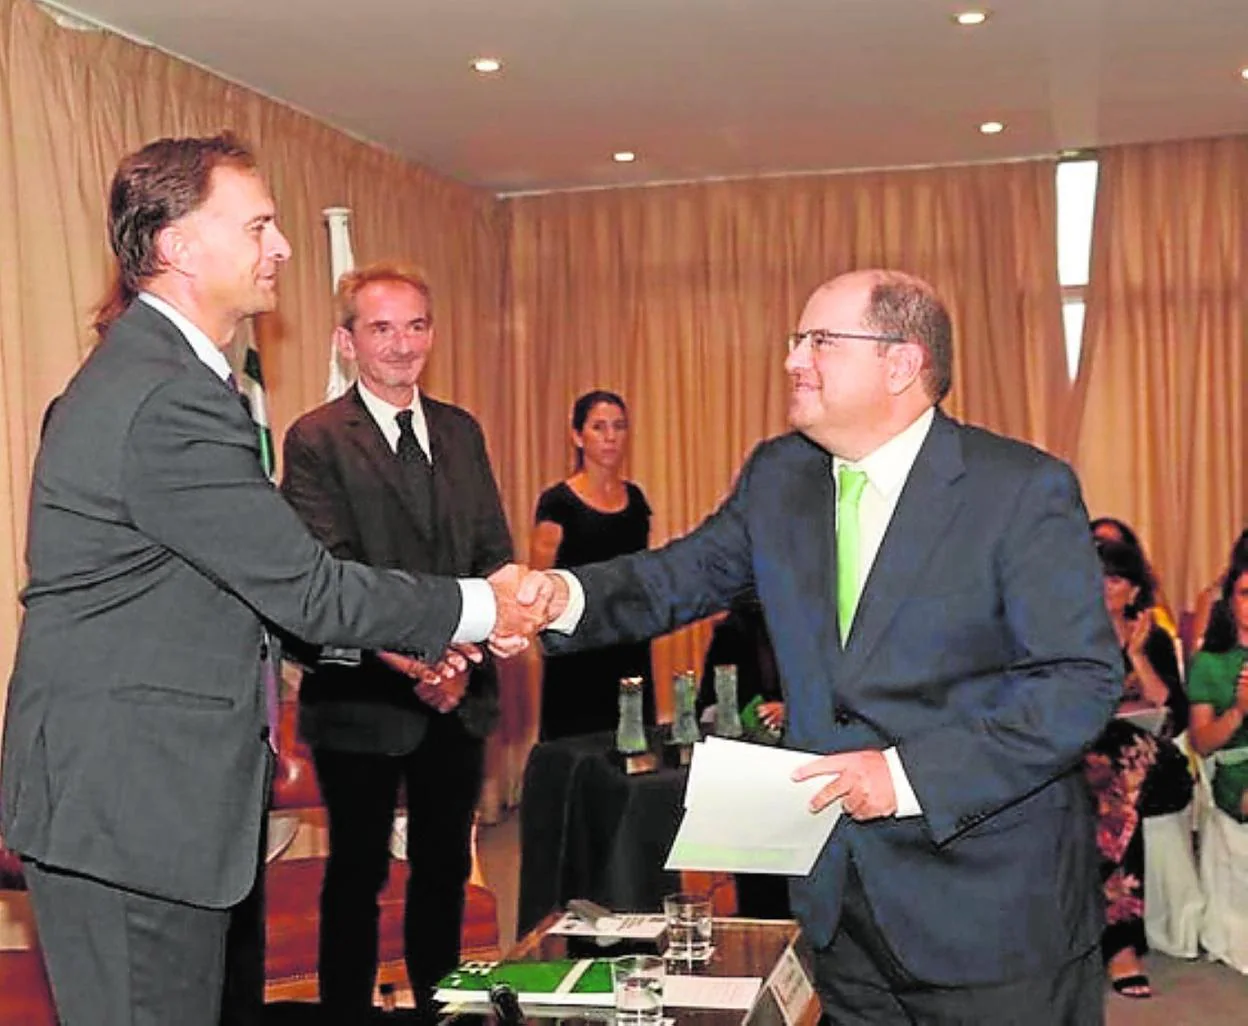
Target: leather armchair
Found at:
x=24, y=993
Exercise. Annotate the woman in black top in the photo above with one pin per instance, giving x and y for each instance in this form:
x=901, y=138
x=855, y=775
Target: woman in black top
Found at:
x=593, y=515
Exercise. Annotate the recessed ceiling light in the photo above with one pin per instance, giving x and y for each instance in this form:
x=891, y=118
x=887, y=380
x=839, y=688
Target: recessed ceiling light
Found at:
x=623, y=156
x=1243, y=73
x=992, y=127
x=486, y=65
x=969, y=18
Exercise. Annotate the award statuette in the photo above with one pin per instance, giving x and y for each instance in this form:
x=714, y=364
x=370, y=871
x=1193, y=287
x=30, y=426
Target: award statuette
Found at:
x=685, y=733
x=727, y=718
x=631, y=749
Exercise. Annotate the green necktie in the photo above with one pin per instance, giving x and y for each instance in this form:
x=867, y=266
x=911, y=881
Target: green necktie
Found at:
x=849, y=486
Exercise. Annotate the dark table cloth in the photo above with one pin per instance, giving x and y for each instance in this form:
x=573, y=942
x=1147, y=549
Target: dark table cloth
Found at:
x=588, y=830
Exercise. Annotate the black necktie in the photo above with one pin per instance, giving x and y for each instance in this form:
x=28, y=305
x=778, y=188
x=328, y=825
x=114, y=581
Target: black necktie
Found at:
x=409, y=449
x=232, y=382
x=418, y=474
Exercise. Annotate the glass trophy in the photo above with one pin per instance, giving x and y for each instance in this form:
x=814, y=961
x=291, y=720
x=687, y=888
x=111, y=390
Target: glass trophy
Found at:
x=685, y=723
x=727, y=714
x=630, y=731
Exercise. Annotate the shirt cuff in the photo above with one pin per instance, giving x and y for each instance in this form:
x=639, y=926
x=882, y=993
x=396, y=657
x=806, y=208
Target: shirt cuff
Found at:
x=907, y=801
x=476, y=619
x=567, y=621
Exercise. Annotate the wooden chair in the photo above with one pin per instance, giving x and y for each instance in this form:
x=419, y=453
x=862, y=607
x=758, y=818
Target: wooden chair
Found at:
x=25, y=996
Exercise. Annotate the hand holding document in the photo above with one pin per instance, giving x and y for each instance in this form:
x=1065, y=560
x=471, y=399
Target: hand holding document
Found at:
x=745, y=814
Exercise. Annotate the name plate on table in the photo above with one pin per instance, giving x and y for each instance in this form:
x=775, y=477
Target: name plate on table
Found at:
x=788, y=997
x=635, y=763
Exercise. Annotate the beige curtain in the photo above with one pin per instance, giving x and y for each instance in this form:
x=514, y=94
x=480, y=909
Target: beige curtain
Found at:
x=1163, y=389
x=679, y=298
x=71, y=104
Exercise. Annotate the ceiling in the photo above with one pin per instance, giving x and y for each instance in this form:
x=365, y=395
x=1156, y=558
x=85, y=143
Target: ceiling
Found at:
x=718, y=88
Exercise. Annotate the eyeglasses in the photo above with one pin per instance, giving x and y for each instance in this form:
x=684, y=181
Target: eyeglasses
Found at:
x=821, y=338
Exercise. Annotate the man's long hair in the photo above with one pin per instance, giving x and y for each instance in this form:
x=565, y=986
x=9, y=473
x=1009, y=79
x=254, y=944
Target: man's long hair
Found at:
x=152, y=188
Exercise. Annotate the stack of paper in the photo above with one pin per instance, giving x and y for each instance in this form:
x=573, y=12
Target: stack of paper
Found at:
x=744, y=813
x=625, y=926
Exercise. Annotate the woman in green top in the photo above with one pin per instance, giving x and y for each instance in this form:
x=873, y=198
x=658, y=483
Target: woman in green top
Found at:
x=1218, y=688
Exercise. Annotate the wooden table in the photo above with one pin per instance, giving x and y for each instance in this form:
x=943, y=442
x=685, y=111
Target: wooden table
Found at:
x=770, y=949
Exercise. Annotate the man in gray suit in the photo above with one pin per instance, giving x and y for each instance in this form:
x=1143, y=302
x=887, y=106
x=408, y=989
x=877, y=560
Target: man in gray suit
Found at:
x=136, y=746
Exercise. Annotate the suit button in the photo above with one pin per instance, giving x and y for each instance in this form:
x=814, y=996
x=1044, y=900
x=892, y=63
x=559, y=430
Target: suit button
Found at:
x=841, y=715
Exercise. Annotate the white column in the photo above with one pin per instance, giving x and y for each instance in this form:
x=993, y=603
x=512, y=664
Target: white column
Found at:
x=341, y=260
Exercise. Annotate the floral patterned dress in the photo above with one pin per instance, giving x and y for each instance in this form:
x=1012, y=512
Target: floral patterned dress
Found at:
x=1121, y=769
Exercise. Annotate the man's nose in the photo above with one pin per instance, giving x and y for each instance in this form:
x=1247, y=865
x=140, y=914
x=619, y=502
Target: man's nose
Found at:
x=281, y=245
x=798, y=357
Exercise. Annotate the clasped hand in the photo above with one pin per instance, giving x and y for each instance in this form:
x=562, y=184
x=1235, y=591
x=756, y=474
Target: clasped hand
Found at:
x=525, y=601
x=439, y=685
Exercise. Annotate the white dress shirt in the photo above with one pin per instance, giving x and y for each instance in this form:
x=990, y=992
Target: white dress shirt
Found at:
x=887, y=469
x=385, y=415
x=203, y=347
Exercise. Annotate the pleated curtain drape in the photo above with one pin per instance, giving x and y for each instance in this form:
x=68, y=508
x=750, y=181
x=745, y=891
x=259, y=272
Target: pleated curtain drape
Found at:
x=677, y=296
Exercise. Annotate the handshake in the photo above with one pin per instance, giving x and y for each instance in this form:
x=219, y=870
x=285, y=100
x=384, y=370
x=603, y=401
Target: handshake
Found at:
x=526, y=601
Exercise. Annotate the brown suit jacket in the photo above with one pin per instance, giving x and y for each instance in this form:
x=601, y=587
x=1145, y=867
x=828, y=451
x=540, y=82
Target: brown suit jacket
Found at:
x=355, y=495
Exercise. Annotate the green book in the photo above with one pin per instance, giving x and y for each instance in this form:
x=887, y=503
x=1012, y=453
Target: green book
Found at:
x=564, y=981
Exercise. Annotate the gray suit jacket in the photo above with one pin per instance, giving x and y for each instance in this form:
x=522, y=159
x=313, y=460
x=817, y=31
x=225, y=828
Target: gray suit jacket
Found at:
x=134, y=746
x=355, y=496
x=980, y=649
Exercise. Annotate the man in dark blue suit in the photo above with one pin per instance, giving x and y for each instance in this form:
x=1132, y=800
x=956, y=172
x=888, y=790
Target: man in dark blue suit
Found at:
x=936, y=609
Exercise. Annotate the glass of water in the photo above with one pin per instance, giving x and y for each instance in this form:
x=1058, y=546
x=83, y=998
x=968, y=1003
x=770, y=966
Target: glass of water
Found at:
x=688, y=919
x=637, y=985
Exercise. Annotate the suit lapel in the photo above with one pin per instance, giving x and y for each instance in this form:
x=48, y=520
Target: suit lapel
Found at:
x=928, y=503
x=811, y=539
x=442, y=452
x=366, y=437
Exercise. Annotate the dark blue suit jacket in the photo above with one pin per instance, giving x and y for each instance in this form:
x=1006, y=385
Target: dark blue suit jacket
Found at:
x=980, y=649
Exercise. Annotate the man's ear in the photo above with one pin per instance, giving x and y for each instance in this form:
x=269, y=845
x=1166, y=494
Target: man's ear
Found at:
x=345, y=342
x=175, y=249
x=905, y=366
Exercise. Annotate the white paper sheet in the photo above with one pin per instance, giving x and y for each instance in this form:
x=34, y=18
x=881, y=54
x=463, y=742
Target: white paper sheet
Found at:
x=710, y=991
x=743, y=813
x=1150, y=718
x=626, y=925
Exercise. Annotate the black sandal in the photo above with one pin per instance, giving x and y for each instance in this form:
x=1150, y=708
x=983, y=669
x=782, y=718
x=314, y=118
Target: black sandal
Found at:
x=1135, y=985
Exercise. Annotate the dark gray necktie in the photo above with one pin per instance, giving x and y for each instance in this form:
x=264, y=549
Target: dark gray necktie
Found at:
x=409, y=448
x=418, y=476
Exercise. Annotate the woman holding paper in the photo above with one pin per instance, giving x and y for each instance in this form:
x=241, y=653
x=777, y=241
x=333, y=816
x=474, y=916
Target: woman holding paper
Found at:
x=1132, y=767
